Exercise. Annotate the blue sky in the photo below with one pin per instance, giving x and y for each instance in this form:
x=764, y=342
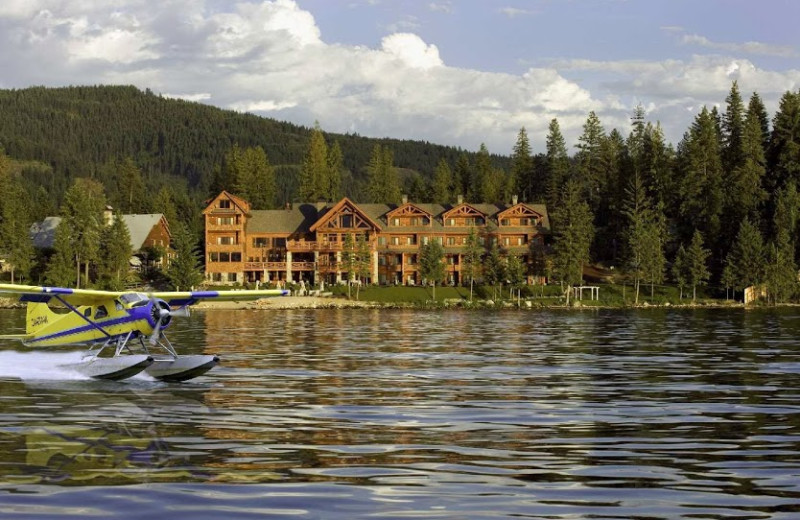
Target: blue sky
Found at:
x=454, y=72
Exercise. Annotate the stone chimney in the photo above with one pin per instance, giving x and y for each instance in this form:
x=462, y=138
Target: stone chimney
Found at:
x=514, y=200
x=405, y=199
x=460, y=199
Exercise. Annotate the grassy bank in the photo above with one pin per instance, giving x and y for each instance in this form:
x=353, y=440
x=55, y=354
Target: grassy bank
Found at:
x=609, y=295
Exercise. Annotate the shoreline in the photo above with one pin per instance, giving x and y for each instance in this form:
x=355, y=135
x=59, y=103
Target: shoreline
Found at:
x=317, y=302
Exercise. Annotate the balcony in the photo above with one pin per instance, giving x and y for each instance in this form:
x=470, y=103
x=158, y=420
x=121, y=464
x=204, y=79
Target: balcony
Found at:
x=262, y=266
x=301, y=245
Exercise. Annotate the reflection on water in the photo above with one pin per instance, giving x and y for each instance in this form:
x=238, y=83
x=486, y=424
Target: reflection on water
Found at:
x=349, y=413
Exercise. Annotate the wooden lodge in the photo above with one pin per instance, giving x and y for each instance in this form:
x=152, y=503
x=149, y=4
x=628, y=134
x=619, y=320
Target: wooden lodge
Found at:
x=304, y=241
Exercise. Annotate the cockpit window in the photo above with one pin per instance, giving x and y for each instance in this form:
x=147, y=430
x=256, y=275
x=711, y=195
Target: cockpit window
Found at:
x=101, y=312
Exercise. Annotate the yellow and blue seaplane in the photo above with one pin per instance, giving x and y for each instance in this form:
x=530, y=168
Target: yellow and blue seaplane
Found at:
x=124, y=331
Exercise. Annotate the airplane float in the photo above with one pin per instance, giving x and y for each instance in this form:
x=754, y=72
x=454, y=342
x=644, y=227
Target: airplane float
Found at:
x=122, y=327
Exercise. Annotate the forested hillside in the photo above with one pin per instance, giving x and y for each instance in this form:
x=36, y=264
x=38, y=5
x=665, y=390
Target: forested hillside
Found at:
x=721, y=207
x=80, y=131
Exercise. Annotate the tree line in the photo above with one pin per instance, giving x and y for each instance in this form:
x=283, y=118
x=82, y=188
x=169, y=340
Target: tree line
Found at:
x=718, y=208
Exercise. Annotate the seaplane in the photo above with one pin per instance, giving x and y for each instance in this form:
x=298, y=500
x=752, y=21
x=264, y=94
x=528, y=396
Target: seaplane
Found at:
x=124, y=331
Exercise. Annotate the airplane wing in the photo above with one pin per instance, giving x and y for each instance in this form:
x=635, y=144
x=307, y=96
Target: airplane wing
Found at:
x=77, y=297
x=38, y=294
x=190, y=298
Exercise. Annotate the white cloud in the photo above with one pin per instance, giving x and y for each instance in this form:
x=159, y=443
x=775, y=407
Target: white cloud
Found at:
x=754, y=48
x=513, y=12
x=269, y=57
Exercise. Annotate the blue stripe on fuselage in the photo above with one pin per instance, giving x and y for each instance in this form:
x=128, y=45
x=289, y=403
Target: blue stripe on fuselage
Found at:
x=134, y=315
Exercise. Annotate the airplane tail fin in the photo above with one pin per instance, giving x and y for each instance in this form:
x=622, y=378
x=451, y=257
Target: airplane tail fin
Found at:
x=39, y=315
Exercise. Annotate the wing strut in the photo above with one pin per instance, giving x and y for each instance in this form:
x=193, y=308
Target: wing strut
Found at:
x=85, y=318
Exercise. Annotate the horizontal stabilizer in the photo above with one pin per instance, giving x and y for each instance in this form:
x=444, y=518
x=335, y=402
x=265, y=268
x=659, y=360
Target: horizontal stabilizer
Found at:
x=18, y=337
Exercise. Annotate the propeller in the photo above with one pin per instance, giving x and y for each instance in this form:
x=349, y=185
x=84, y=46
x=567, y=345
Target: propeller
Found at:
x=162, y=314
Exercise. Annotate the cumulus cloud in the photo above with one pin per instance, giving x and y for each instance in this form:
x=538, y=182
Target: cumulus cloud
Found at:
x=270, y=58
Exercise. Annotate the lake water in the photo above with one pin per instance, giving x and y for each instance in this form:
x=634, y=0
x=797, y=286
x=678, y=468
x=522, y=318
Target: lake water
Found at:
x=341, y=414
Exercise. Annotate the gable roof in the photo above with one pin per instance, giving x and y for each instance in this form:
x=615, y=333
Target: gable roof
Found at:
x=139, y=227
x=335, y=210
x=239, y=202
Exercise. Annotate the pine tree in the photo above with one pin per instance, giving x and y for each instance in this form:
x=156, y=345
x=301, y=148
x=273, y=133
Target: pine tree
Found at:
x=680, y=270
x=442, y=183
x=697, y=263
x=82, y=213
x=332, y=188
x=733, y=130
x=116, y=253
x=363, y=265
x=557, y=163
x=747, y=257
x=431, y=263
x=494, y=272
x=383, y=184
x=462, y=176
x=15, y=224
x=483, y=186
x=471, y=260
x=757, y=110
x=514, y=271
x=574, y=233
x=781, y=271
x=184, y=270
x=314, y=174
x=702, y=184
x=590, y=168
x=130, y=187
x=60, y=271
x=784, y=148
x=349, y=259
x=522, y=174
x=261, y=188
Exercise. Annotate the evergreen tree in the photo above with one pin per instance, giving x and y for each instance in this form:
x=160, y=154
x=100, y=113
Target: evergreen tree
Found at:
x=784, y=147
x=314, y=174
x=383, y=184
x=781, y=271
x=82, y=213
x=733, y=130
x=697, y=263
x=363, y=265
x=574, y=232
x=757, y=110
x=471, y=259
x=482, y=187
x=462, y=176
x=746, y=192
x=130, y=187
x=590, y=168
x=15, y=226
x=702, y=183
x=557, y=163
x=349, y=259
x=515, y=273
x=494, y=272
x=431, y=263
x=442, y=183
x=60, y=271
x=333, y=185
x=522, y=173
x=746, y=258
x=165, y=204
x=680, y=270
x=184, y=270
x=116, y=253
x=644, y=238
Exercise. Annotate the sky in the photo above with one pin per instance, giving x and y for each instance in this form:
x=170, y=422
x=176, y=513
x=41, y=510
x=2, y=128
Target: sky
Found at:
x=454, y=72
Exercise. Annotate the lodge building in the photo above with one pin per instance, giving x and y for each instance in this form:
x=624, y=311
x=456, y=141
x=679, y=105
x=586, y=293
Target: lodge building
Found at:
x=304, y=241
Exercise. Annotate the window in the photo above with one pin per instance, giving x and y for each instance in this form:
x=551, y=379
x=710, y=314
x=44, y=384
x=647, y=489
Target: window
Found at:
x=451, y=222
x=505, y=222
x=426, y=221
x=225, y=241
x=451, y=241
x=395, y=221
x=232, y=277
x=524, y=221
x=261, y=242
x=506, y=241
x=216, y=277
x=101, y=312
x=225, y=204
x=213, y=257
x=395, y=241
x=347, y=221
x=381, y=241
x=236, y=257
x=224, y=257
x=279, y=243
x=225, y=221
